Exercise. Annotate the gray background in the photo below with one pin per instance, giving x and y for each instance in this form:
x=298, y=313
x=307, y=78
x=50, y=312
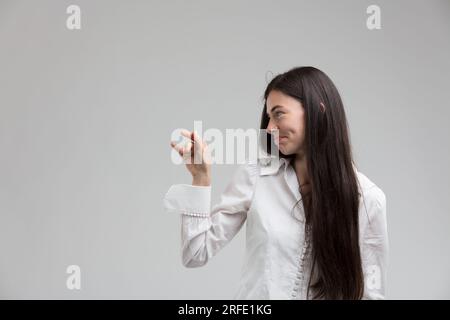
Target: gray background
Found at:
x=86, y=118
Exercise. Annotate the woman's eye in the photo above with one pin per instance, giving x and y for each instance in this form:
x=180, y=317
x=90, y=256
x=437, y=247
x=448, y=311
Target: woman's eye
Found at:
x=278, y=114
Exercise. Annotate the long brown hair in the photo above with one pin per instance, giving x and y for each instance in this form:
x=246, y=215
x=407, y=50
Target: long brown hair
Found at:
x=332, y=206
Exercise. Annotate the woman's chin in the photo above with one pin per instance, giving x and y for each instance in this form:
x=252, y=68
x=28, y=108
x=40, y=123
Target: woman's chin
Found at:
x=285, y=151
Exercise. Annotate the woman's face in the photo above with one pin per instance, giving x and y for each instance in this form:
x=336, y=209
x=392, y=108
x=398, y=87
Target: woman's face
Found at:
x=288, y=116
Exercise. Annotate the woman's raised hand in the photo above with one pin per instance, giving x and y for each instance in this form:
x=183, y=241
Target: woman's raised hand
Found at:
x=196, y=157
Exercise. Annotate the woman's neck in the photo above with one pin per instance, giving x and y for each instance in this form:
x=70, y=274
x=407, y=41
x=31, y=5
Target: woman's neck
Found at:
x=301, y=169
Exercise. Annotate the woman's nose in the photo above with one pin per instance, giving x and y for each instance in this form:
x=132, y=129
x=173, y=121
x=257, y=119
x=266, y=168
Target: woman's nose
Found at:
x=270, y=127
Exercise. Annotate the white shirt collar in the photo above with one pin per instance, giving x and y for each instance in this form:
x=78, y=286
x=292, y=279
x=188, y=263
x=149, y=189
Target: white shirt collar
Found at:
x=272, y=166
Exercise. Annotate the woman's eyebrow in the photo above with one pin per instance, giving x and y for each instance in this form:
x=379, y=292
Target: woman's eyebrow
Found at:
x=273, y=109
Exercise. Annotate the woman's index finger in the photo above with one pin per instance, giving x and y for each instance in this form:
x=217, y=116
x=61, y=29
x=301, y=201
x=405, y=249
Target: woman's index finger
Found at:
x=196, y=138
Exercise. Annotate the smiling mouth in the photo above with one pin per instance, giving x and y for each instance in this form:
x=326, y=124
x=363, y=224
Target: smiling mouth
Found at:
x=281, y=139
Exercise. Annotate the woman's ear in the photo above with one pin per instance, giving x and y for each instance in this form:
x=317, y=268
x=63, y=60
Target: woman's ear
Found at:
x=322, y=107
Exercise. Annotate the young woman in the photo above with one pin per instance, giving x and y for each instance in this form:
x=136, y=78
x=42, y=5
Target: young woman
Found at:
x=316, y=226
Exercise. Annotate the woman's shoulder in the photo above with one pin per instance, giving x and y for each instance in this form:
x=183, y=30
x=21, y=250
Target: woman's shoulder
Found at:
x=372, y=213
x=373, y=197
x=246, y=172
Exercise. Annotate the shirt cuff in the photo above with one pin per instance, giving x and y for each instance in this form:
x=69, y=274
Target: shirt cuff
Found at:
x=188, y=199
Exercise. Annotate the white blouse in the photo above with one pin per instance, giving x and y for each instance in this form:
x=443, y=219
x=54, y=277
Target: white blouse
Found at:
x=277, y=261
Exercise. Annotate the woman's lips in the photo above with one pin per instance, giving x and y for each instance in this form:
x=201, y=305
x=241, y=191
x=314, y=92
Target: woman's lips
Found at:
x=282, y=139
